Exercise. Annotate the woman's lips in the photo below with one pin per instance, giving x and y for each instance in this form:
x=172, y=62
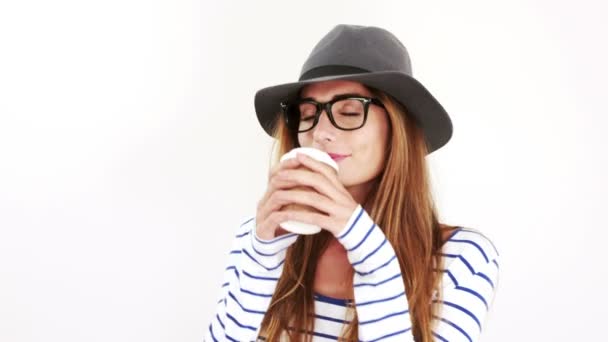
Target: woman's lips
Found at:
x=337, y=157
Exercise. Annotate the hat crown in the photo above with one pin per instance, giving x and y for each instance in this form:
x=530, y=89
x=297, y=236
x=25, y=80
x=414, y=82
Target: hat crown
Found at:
x=356, y=49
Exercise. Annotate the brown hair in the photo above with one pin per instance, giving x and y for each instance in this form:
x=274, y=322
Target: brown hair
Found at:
x=408, y=218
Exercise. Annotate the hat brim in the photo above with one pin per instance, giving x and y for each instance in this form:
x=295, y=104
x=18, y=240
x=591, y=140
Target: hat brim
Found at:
x=428, y=113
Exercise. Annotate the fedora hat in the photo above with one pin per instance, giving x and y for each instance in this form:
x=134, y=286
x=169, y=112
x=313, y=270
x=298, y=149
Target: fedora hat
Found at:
x=374, y=57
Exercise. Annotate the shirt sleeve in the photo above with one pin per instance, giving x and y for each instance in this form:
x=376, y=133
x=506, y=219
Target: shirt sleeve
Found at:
x=250, y=277
x=380, y=298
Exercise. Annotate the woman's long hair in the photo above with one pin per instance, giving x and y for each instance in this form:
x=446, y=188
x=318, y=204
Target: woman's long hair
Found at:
x=407, y=217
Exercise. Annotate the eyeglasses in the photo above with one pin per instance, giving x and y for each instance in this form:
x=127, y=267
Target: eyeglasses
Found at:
x=346, y=112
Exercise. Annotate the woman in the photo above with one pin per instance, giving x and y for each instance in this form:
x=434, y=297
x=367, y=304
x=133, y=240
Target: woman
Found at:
x=383, y=267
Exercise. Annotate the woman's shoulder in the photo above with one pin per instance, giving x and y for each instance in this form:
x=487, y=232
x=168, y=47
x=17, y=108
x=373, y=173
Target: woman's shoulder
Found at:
x=469, y=256
x=470, y=243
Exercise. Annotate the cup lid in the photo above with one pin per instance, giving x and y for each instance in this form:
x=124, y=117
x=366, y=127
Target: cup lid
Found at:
x=312, y=152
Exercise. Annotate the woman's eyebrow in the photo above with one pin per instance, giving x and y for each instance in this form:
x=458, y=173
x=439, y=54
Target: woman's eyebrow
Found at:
x=337, y=95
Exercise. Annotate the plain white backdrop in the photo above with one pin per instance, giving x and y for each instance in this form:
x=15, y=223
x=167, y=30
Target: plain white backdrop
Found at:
x=130, y=151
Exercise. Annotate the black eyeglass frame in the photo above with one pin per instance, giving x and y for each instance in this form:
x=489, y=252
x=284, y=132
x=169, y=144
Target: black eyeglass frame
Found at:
x=327, y=107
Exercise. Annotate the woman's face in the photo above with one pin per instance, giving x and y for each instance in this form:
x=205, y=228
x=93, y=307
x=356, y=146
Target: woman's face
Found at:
x=364, y=147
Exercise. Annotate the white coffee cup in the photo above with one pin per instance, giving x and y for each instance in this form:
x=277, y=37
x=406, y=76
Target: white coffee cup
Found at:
x=296, y=226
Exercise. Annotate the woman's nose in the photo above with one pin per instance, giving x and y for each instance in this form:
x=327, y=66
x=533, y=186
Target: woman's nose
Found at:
x=324, y=126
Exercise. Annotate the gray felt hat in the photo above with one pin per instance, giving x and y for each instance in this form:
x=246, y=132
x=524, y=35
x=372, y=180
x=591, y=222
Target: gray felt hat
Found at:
x=369, y=55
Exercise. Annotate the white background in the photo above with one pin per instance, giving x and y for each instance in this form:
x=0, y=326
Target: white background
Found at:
x=130, y=151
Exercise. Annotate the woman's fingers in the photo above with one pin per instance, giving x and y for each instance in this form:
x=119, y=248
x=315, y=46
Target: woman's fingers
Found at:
x=286, y=164
x=266, y=228
x=273, y=186
x=281, y=198
x=271, y=216
x=308, y=198
x=314, y=180
x=265, y=207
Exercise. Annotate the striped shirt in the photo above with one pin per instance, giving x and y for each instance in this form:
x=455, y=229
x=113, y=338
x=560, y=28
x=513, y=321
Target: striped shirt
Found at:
x=469, y=282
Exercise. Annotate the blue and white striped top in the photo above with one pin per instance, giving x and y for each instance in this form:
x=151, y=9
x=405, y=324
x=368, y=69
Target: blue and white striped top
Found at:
x=470, y=279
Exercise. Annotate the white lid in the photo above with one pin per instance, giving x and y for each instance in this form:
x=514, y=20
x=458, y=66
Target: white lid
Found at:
x=312, y=152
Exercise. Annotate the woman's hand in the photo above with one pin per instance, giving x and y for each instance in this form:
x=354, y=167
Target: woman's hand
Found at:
x=268, y=214
x=331, y=197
